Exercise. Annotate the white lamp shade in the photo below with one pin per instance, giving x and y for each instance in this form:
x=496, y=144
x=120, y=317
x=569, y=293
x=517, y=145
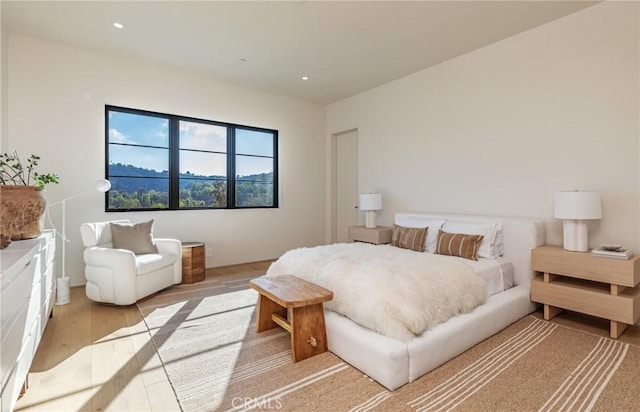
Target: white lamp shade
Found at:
x=371, y=201
x=103, y=185
x=578, y=205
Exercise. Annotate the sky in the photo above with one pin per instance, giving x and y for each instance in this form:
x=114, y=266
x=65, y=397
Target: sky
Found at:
x=154, y=131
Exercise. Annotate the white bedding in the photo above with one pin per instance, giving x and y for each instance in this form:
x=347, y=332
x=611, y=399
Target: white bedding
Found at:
x=496, y=273
x=397, y=292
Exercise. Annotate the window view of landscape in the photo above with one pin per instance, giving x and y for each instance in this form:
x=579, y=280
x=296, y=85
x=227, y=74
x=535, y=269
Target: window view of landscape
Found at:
x=205, y=165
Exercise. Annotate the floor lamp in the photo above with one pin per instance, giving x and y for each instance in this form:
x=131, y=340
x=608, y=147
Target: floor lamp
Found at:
x=62, y=283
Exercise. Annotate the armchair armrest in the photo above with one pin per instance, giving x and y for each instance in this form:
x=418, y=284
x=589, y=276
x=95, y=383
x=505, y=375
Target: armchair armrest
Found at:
x=111, y=275
x=174, y=247
x=108, y=257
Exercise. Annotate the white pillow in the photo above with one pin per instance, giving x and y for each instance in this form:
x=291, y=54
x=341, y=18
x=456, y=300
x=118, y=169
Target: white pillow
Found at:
x=433, y=226
x=491, y=246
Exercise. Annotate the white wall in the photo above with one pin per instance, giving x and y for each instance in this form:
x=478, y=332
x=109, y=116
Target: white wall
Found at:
x=49, y=115
x=3, y=85
x=500, y=129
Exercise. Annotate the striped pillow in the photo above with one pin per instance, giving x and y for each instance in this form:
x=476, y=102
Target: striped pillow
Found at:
x=458, y=244
x=409, y=237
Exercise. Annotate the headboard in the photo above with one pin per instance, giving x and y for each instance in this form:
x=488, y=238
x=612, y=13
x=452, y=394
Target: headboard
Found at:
x=520, y=236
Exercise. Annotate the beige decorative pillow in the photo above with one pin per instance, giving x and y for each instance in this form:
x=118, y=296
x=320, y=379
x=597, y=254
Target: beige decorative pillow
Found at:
x=409, y=237
x=458, y=244
x=137, y=238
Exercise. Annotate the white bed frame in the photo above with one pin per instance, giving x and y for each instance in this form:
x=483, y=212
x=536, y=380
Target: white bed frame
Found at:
x=394, y=363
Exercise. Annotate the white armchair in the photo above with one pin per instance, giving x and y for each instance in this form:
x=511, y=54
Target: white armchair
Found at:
x=120, y=277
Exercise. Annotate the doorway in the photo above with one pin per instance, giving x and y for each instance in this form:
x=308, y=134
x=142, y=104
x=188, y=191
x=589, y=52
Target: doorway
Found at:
x=345, y=184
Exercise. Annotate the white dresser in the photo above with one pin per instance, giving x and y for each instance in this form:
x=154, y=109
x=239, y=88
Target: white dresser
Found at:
x=27, y=295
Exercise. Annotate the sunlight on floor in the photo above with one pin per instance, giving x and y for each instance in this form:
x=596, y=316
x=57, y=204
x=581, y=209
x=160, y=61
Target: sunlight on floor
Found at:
x=79, y=377
x=60, y=385
x=100, y=357
x=102, y=375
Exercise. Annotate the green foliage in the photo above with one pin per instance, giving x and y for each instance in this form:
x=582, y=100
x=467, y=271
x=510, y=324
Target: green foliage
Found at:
x=139, y=188
x=13, y=172
x=254, y=194
x=204, y=194
x=195, y=195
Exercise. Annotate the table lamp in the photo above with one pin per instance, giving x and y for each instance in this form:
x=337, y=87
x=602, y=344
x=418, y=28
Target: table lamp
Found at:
x=371, y=203
x=575, y=208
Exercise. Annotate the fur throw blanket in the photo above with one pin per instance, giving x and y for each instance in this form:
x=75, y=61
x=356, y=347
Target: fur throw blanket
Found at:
x=396, y=292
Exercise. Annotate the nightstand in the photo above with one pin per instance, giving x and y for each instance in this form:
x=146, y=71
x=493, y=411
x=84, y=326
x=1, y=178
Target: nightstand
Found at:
x=193, y=262
x=597, y=286
x=377, y=235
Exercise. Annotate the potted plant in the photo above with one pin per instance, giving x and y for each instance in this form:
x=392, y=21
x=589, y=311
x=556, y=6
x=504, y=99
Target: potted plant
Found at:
x=22, y=204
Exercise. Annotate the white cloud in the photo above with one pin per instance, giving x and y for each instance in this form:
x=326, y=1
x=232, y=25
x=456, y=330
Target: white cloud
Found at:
x=116, y=137
x=201, y=136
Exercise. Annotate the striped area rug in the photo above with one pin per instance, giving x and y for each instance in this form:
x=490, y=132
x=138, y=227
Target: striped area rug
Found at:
x=216, y=361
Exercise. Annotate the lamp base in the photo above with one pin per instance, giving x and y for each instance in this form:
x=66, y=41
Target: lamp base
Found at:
x=370, y=217
x=575, y=235
x=63, y=291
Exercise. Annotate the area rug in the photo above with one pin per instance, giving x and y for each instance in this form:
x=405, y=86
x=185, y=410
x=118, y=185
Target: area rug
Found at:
x=216, y=361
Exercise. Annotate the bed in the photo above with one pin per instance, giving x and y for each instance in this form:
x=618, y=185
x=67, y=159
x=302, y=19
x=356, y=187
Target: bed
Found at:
x=394, y=362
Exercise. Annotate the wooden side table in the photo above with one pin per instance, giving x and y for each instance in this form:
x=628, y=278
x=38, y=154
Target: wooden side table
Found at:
x=377, y=235
x=193, y=269
x=597, y=286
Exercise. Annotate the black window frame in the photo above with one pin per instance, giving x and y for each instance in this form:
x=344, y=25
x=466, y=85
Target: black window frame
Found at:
x=174, y=160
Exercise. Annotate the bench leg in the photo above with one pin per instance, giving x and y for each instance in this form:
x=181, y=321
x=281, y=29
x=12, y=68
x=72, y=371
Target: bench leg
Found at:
x=308, y=333
x=266, y=308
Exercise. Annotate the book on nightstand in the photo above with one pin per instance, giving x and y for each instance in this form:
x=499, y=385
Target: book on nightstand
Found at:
x=616, y=253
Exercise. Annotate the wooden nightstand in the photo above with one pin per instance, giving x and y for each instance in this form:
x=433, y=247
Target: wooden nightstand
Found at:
x=598, y=286
x=377, y=235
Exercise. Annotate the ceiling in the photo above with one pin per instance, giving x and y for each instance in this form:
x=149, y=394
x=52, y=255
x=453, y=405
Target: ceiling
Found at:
x=343, y=47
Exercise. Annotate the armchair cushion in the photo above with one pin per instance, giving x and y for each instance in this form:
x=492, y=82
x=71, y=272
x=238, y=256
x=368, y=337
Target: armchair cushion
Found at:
x=137, y=238
x=153, y=261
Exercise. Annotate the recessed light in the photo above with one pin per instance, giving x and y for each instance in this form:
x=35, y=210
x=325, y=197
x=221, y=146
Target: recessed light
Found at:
x=305, y=77
x=118, y=25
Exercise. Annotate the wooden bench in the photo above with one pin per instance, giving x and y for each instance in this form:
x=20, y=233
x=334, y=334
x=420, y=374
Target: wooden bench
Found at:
x=296, y=305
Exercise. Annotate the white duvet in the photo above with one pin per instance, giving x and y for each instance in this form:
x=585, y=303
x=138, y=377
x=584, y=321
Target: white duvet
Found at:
x=396, y=292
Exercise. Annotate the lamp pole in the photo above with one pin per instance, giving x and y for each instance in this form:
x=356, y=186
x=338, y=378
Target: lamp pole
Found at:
x=62, y=283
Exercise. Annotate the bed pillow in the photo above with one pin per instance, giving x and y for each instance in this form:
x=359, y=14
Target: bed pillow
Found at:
x=458, y=244
x=492, y=244
x=137, y=238
x=419, y=221
x=409, y=237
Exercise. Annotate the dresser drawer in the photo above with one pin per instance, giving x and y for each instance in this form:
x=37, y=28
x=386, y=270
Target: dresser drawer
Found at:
x=47, y=298
x=17, y=372
x=15, y=291
x=13, y=338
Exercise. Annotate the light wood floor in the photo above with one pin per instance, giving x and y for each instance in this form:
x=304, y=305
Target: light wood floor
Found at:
x=95, y=357
x=100, y=358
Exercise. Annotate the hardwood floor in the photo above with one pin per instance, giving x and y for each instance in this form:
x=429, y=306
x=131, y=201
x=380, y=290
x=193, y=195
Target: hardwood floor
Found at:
x=96, y=357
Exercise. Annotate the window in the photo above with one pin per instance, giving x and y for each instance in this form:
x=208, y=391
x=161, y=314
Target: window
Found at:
x=159, y=161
